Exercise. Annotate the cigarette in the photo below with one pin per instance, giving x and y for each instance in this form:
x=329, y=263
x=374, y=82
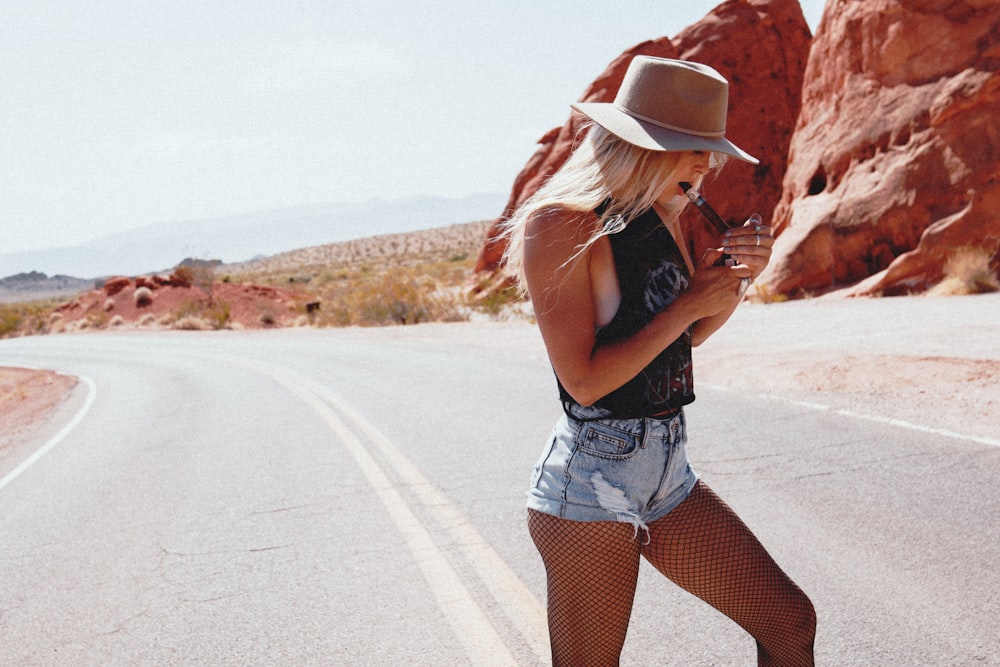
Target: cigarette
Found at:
x=703, y=206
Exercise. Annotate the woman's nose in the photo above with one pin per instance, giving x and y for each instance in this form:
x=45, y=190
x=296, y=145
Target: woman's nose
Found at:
x=703, y=163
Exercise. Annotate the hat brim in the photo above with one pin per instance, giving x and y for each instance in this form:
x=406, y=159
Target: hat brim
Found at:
x=653, y=137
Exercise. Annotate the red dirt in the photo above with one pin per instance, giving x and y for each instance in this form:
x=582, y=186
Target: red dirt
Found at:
x=233, y=305
x=27, y=399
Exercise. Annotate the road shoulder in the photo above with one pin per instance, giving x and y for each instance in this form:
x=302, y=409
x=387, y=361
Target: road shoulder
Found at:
x=29, y=399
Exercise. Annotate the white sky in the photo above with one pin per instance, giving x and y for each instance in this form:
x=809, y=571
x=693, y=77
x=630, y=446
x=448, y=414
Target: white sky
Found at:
x=115, y=114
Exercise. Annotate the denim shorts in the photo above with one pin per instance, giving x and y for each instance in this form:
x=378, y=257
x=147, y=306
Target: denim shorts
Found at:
x=628, y=470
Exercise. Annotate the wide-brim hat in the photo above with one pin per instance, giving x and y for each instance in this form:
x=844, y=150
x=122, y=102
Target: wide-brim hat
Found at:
x=668, y=105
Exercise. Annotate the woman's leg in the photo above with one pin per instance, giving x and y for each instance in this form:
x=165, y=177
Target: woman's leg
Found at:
x=591, y=569
x=703, y=547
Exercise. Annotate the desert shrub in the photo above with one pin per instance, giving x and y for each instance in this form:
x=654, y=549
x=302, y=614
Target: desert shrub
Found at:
x=403, y=296
x=495, y=301
x=200, y=273
x=143, y=297
x=188, y=307
x=405, y=292
x=10, y=320
x=192, y=323
x=96, y=320
x=147, y=320
x=338, y=315
x=195, y=314
x=392, y=300
x=116, y=321
x=217, y=314
x=968, y=270
x=183, y=276
x=109, y=304
x=56, y=323
x=30, y=317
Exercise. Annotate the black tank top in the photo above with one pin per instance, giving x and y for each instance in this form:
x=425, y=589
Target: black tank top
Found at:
x=651, y=274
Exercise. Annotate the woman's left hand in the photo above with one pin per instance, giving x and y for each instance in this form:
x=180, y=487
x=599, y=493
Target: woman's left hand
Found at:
x=750, y=245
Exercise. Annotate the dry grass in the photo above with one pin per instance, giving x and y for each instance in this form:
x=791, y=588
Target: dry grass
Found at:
x=410, y=278
x=393, y=279
x=967, y=271
x=425, y=246
x=34, y=317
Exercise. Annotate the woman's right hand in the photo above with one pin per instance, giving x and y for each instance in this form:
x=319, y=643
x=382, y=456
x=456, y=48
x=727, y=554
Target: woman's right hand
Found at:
x=716, y=289
x=714, y=292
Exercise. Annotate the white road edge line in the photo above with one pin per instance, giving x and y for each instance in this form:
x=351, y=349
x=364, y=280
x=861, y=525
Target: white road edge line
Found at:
x=58, y=437
x=482, y=644
x=874, y=418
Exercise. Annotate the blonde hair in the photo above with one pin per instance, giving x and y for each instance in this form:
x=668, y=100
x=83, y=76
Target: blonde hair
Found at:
x=602, y=169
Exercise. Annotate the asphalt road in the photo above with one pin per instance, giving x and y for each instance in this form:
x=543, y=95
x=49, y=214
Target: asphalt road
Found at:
x=355, y=497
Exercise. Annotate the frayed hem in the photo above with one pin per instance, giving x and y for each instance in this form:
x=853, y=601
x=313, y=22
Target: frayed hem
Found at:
x=613, y=499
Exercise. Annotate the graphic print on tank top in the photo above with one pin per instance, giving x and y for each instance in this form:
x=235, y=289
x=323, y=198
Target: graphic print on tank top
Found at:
x=651, y=274
x=664, y=283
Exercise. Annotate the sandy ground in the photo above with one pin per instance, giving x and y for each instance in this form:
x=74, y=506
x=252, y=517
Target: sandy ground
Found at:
x=930, y=361
x=27, y=399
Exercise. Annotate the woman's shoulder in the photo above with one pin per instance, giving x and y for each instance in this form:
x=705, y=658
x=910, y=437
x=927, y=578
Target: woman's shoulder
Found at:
x=557, y=222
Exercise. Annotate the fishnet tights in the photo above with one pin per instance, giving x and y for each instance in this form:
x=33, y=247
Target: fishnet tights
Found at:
x=702, y=546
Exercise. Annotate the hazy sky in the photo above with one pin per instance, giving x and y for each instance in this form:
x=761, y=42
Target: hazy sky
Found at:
x=115, y=114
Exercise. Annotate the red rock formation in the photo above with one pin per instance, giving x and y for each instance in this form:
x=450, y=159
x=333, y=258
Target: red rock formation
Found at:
x=761, y=47
x=146, y=281
x=235, y=305
x=894, y=161
x=115, y=285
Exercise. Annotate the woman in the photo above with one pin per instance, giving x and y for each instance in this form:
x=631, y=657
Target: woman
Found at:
x=620, y=301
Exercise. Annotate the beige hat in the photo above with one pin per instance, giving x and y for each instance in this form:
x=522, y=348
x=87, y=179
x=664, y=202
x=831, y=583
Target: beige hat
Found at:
x=668, y=105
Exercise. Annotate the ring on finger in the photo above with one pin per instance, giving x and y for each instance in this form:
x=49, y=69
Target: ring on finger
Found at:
x=757, y=237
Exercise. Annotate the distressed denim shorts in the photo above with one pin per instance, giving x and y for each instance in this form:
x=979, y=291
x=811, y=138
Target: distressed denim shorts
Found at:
x=628, y=470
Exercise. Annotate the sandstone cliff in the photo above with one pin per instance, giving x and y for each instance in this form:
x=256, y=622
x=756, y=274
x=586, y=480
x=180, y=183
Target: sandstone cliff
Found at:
x=761, y=47
x=894, y=161
x=878, y=139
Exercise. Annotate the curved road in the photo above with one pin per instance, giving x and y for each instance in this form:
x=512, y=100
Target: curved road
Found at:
x=355, y=497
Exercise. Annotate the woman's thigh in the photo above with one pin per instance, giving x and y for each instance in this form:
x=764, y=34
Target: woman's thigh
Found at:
x=591, y=568
x=706, y=549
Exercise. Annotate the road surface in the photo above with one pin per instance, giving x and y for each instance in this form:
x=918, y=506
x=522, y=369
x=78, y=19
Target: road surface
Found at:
x=355, y=497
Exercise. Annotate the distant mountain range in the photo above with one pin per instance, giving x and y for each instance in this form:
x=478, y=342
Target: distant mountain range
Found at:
x=236, y=238
x=33, y=285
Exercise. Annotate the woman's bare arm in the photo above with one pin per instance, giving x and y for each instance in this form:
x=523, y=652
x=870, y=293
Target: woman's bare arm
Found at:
x=562, y=294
